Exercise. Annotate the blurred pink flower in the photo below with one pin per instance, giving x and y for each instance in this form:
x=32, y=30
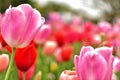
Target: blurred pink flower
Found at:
x=116, y=65
x=49, y=47
x=43, y=33
x=94, y=64
x=55, y=17
x=104, y=27
x=68, y=75
x=64, y=53
x=20, y=24
x=4, y=61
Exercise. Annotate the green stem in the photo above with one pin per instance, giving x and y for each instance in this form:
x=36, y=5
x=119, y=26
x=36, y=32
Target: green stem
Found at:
x=10, y=65
x=24, y=75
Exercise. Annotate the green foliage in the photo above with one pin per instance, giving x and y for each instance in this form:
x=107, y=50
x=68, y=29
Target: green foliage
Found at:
x=4, y=4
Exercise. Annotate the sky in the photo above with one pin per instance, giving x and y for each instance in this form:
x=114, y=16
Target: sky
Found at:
x=87, y=6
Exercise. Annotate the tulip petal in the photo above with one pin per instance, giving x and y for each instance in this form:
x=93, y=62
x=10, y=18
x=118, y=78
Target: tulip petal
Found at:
x=92, y=67
x=27, y=9
x=12, y=18
x=116, y=64
x=84, y=50
x=109, y=69
x=32, y=26
x=43, y=33
x=105, y=52
x=76, y=62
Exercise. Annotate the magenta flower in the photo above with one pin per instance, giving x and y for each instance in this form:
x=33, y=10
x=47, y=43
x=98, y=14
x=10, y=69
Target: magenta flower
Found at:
x=20, y=24
x=104, y=27
x=116, y=65
x=94, y=64
x=43, y=33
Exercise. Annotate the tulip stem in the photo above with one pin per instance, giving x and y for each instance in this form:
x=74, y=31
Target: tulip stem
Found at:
x=24, y=75
x=10, y=65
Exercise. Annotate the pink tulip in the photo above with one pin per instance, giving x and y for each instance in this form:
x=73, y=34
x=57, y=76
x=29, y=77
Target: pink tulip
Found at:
x=97, y=39
x=116, y=64
x=94, y=64
x=57, y=55
x=76, y=20
x=55, y=17
x=43, y=33
x=104, y=27
x=68, y=75
x=4, y=61
x=20, y=24
x=49, y=47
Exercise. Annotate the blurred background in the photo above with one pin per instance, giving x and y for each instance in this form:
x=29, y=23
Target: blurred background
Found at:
x=69, y=22
x=87, y=9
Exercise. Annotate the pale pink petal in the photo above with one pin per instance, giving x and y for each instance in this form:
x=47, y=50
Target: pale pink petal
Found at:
x=43, y=33
x=106, y=52
x=11, y=26
x=32, y=26
x=76, y=62
x=109, y=69
x=84, y=50
x=27, y=9
x=92, y=67
x=116, y=64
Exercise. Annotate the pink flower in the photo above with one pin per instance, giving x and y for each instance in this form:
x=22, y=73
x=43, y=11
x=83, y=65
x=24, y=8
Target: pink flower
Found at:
x=55, y=17
x=64, y=53
x=49, y=47
x=20, y=24
x=94, y=64
x=104, y=27
x=29, y=73
x=116, y=64
x=43, y=33
x=68, y=75
x=4, y=61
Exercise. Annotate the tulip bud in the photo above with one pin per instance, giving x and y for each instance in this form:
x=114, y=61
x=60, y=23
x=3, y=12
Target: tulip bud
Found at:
x=4, y=61
x=25, y=57
x=38, y=76
x=49, y=47
x=43, y=33
x=53, y=66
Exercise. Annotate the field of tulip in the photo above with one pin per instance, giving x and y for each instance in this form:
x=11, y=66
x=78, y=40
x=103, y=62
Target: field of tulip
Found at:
x=35, y=48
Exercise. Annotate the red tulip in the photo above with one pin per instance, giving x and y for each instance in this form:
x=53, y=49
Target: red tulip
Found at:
x=25, y=57
x=60, y=37
x=66, y=52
